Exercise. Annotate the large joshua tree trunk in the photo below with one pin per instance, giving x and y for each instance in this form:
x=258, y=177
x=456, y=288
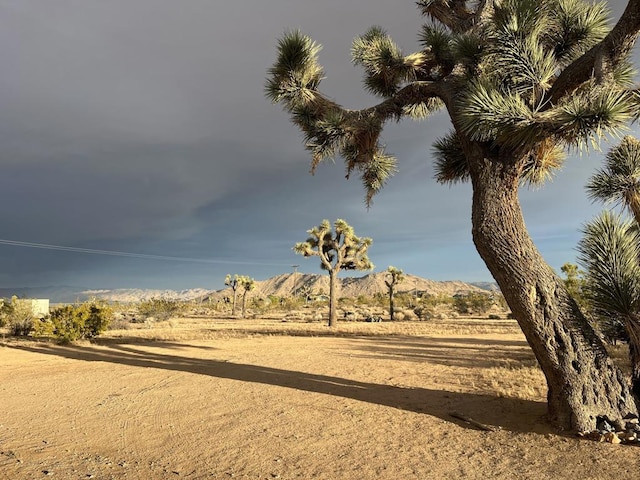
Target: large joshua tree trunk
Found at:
x=582, y=381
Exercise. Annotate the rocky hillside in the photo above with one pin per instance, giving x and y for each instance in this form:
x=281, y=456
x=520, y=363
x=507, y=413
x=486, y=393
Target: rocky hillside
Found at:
x=280, y=285
x=284, y=285
x=133, y=295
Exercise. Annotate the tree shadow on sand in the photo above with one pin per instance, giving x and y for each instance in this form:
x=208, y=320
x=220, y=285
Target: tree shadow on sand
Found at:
x=450, y=352
x=508, y=413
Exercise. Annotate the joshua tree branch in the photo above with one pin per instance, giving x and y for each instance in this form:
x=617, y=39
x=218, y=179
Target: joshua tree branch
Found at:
x=601, y=58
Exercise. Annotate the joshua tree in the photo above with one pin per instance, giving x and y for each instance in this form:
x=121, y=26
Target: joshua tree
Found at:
x=619, y=181
x=247, y=285
x=234, y=283
x=341, y=250
x=520, y=81
x=610, y=253
x=395, y=277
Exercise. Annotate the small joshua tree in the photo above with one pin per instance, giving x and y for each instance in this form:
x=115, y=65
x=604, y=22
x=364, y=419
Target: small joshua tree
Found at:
x=234, y=283
x=341, y=250
x=247, y=284
x=395, y=276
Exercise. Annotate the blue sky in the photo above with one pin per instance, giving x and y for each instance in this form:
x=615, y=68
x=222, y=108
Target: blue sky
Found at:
x=140, y=126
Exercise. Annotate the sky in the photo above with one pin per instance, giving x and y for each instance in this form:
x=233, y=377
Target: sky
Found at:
x=138, y=150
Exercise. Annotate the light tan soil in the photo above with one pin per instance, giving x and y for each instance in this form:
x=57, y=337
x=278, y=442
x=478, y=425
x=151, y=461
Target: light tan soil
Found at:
x=234, y=399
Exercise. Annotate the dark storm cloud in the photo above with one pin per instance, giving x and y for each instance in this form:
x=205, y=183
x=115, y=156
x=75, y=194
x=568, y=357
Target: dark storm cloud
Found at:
x=141, y=126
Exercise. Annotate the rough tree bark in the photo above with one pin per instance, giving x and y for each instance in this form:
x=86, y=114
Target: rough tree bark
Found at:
x=632, y=326
x=582, y=381
x=391, y=306
x=333, y=316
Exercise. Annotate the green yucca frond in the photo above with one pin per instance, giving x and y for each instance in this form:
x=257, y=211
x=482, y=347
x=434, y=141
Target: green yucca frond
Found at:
x=468, y=49
x=438, y=41
x=327, y=137
x=513, y=19
x=382, y=60
x=618, y=181
x=451, y=163
x=488, y=114
x=543, y=162
x=523, y=64
x=435, y=8
x=585, y=117
x=375, y=173
x=296, y=74
x=420, y=111
x=624, y=75
x=609, y=253
x=580, y=26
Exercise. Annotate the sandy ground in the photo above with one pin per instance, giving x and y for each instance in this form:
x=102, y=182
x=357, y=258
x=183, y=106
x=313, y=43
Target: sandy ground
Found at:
x=252, y=404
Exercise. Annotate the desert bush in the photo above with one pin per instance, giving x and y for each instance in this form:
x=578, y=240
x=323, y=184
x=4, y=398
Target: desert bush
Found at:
x=160, y=309
x=18, y=315
x=424, y=312
x=410, y=315
x=436, y=300
x=474, y=303
x=74, y=322
x=4, y=310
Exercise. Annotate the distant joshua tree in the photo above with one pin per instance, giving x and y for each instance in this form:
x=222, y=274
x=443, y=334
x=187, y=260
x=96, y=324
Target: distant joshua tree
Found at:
x=395, y=276
x=234, y=283
x=247, y=285
x=341, y=250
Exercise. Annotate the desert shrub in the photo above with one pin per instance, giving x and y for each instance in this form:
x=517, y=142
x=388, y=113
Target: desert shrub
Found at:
x=160, y=308
x=474, y=303
x=424, y=312
x=5, y=309
x=410, y=316
x=18, y=315
x=74, y=322
x=436, y=300
x=399, y=316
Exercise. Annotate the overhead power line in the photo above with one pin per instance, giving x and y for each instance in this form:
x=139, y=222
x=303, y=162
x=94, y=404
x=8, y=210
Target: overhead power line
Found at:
x=113, y=253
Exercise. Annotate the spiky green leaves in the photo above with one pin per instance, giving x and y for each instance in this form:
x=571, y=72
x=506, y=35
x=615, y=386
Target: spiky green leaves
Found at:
x=490, y=113
x=386, y=69
x=375, y=173
x=541, y=162
x=609, y=253
x=578, y=27
x=619, y=181
x=586, y=116
x=438, y=41
x=296, y=74
x=451, y=163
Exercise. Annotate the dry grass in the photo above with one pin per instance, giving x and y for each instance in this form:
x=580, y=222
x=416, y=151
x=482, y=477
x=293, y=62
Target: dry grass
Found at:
x=212, y=328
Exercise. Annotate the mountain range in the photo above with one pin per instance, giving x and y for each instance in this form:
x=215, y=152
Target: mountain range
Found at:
x=280, y=285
